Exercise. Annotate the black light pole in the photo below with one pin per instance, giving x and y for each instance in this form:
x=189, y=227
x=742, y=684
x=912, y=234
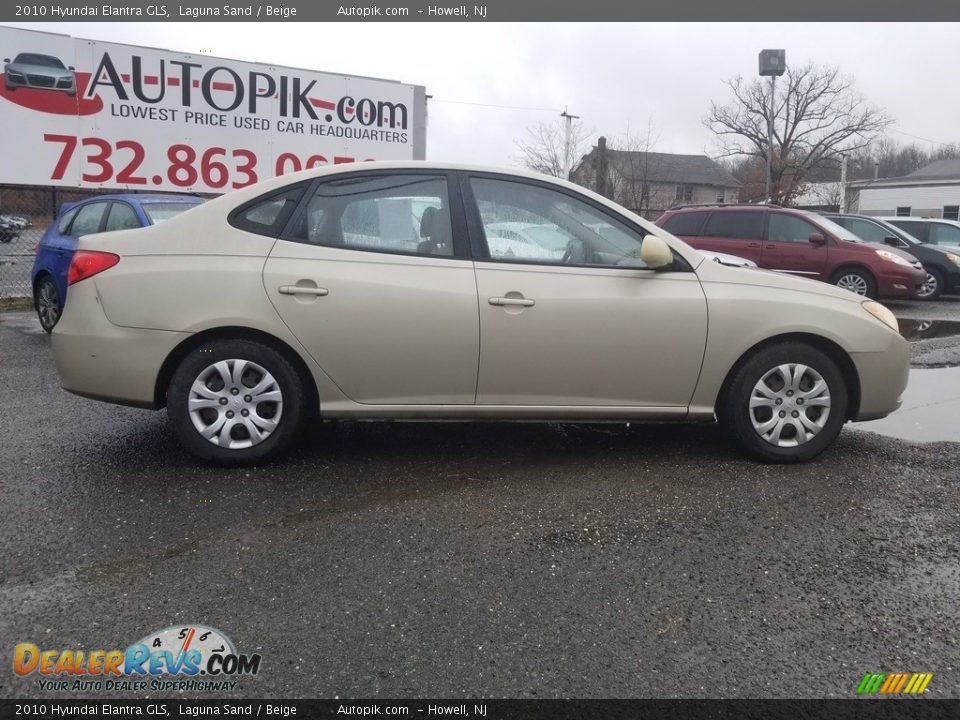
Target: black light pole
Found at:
x=772, y=63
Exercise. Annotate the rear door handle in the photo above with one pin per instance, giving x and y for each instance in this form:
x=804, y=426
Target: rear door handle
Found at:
x=302, y=290
x=501, y=301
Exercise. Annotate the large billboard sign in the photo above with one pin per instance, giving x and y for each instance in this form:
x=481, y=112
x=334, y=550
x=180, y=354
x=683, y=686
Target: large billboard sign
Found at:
x=91, y=114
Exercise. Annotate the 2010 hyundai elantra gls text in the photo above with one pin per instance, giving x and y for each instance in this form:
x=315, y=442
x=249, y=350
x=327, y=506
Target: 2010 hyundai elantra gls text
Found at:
x=369, y=292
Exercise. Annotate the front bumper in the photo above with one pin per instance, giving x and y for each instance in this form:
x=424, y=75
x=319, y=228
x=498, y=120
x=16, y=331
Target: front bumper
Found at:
x=898, y=281
x=883, y=378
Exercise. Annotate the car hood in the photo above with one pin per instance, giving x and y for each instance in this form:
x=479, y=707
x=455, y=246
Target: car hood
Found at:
x=715, y=272
x=895, y=251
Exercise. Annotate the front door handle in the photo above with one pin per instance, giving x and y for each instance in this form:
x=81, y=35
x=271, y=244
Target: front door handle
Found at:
x=501, y=301
x=302, y=290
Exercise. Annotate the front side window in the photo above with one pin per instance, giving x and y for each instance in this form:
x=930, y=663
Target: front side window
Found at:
x=740, y=224
x=88, y=219
x=554, y=228
x=866, y=230
x=788, y=228
x=385, y=213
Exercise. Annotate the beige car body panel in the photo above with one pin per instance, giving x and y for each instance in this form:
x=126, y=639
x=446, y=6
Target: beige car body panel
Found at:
x=654, y=345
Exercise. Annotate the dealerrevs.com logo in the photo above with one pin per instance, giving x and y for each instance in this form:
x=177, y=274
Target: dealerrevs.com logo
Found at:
x=176, y=659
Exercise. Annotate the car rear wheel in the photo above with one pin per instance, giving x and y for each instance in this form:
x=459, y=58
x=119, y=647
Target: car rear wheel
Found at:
x=786, y=404
x=932, y=287
x=857, y=281
x=47, y=302
x=236, y=402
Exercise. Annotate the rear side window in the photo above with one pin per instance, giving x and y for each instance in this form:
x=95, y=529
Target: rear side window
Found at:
x=943, y=234
x=685, y=223
x=268, y=214
x=88, y=219
x=122, y=217
x=742, y=224
x=66, y=219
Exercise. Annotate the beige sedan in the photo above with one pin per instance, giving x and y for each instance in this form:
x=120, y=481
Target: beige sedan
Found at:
x=370, y=292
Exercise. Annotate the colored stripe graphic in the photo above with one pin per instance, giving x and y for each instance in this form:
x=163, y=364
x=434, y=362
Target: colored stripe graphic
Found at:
x=894, y=683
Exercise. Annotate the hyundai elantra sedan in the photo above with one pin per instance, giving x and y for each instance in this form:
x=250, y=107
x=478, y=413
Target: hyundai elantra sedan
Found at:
x=370, y=292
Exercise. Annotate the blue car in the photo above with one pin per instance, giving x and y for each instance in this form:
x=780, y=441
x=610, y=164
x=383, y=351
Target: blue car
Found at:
x=102, y=213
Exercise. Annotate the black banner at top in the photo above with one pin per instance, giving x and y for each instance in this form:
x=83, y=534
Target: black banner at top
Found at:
x=887, y=709
x=486, y=11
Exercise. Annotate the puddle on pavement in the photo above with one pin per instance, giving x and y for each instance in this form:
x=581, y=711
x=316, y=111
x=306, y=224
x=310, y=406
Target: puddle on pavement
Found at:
x=930, y=410
x=926, y=329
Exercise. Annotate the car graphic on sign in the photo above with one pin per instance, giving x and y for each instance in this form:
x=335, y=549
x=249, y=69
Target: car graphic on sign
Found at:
x=43, y=72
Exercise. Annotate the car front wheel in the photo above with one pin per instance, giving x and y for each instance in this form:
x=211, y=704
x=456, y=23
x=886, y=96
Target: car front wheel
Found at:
x=235, y=402
x=47, y=302
x=857, y=281
x=932, y=287
x=786, y=404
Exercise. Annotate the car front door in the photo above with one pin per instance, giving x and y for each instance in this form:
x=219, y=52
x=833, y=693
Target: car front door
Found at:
x=788, y=248
x=591, y=328
x=372, y=279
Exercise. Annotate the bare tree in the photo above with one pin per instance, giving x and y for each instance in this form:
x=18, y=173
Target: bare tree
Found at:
x=817, y=116
x=636, y=168
x=543, y=148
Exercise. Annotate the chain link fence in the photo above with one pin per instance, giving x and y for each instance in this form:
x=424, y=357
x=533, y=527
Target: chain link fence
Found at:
x=25, y=215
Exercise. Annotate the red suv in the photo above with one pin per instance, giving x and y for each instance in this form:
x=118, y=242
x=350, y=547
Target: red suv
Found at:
x=800, y=243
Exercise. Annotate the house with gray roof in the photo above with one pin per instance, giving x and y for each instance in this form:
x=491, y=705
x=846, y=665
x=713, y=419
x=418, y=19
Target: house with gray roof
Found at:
x=932, y=191
x=650, y=182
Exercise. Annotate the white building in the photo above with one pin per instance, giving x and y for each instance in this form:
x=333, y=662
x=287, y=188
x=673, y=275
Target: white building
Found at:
x=931, y=191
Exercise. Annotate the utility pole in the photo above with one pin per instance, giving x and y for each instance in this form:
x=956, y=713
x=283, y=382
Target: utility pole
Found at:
x=843, y=183
x=567, y=139
x=772, y=63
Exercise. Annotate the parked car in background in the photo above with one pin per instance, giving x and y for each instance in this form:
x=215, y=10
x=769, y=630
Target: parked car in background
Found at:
x=249, y=314
x=102, y=213
x=41, y=72
x=934, y=231
x=941, y=265
x=801, y=243
x=11, y=226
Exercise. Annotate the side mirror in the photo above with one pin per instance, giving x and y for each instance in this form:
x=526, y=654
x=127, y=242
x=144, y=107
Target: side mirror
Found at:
x=6, y=60
x=655, y=253
x=70, y=67
x=817, y=239
x=892, y=241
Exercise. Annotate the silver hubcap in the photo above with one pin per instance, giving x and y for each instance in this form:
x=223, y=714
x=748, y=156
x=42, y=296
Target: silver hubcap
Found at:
x=790, y=405
x=929, y=286
x=235, y=404
x=853, y=283
x=47, y=305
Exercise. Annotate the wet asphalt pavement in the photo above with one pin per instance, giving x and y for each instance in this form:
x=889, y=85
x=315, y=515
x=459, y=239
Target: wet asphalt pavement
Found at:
x=469, y=560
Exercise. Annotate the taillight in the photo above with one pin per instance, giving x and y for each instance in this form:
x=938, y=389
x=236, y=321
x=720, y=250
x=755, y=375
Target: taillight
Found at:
x=36, y=248
x=87, y=263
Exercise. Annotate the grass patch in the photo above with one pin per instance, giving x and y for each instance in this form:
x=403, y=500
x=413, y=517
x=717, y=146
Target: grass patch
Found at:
x=10, y=304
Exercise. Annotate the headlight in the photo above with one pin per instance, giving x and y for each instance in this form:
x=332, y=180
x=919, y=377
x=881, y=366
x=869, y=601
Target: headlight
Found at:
x=955, y=259
x=892, y=257
x=881, y=313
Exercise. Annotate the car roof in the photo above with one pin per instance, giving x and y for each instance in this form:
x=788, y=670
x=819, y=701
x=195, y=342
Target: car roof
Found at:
x=913, y=218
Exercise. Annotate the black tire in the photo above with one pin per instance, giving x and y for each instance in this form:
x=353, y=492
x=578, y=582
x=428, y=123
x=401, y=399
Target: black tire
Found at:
x=846, y=275
x=200, y=363
x=935, y=281
x=47, y=303
x=737, y=417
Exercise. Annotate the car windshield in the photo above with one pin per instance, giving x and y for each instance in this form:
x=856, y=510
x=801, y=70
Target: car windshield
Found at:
x=160, y=211
x=41, y=60
x=837, y=231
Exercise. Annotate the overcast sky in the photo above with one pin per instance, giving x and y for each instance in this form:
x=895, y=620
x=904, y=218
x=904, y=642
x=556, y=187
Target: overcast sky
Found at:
x=612, y=75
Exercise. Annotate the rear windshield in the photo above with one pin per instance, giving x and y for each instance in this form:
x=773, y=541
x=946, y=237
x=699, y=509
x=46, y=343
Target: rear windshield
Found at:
x=157, y=212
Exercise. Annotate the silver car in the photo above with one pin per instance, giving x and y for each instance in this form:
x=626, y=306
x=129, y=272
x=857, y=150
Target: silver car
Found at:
x=44, y=72
x=250, y=313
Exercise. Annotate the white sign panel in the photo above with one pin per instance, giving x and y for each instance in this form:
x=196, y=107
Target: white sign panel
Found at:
x=91, y=114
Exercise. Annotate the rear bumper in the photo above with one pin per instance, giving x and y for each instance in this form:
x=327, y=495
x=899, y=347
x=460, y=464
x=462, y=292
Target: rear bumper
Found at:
x=883, y=378
x=897, y=281
x=99, y=360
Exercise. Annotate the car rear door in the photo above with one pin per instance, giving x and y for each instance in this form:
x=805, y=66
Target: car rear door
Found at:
x=787, y=247
x=736, y=232
x=592, y=328
x=373, y=277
